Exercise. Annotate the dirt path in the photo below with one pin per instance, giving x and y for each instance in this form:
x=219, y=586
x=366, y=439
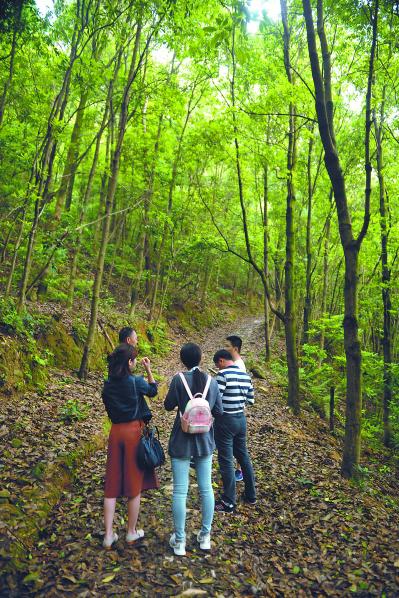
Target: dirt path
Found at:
x=311, y=533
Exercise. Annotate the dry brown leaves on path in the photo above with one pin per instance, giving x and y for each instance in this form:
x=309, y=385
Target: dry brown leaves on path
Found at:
x=311, y=533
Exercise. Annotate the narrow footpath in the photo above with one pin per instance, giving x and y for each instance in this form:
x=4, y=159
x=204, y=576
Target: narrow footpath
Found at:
x=311, y=533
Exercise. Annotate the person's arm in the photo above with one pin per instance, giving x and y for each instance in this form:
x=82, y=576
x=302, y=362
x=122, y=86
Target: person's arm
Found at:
x=250, y=395
x=170, y=401
x=150, y=389
x=217, y=409
x=221, y=380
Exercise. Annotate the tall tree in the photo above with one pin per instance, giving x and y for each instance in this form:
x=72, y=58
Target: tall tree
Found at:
x=351, y=245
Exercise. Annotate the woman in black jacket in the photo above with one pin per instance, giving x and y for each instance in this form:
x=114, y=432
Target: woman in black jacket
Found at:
x=123, y=396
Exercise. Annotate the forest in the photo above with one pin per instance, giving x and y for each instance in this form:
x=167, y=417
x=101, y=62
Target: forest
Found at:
x=171, y=157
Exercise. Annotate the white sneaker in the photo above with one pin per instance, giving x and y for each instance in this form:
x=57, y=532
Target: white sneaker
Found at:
x=204, y=540
x=132, y=538
x=107, y=544
x=179, y=548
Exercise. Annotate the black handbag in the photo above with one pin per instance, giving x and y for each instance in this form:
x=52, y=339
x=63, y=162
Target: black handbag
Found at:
x=150, y=453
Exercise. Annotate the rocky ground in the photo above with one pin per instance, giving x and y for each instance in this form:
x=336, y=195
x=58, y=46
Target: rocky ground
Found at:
x=311, y=533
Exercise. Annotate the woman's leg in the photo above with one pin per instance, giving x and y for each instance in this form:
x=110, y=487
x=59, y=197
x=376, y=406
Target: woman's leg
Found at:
x=180, y=471
x=203, y=467
x=133, y=508
x=109, y=512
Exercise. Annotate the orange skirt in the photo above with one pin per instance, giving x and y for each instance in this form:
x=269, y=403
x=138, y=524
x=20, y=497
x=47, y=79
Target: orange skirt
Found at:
x=123, y=477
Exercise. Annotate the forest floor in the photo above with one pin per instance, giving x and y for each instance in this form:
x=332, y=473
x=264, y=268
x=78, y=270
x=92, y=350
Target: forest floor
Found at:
x=311, y=533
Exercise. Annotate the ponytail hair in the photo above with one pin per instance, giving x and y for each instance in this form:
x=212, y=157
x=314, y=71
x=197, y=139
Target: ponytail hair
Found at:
x=118, y=360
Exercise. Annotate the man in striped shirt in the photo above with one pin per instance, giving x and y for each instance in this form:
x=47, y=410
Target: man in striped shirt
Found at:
x=236, y=390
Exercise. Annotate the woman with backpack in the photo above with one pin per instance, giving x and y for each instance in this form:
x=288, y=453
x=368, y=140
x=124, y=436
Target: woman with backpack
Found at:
x=123, y=396
x=196, y=442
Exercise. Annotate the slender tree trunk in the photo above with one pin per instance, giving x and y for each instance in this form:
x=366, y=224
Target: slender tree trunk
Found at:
x=18, y=4
x=385, y=281
x=172, y=185
x=15, y=254
x=28, y=256
x=351, y=246
x=308, y=302
x=289, y=269
x=278, y=280
x=144, y=252
x=124, y=111
x=325, y=279
x=64, y=193
x=266, y=257
x=44, y=160
x=86, y=198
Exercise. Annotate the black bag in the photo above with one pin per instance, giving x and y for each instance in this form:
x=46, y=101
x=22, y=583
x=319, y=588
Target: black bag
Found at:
x=150, y=453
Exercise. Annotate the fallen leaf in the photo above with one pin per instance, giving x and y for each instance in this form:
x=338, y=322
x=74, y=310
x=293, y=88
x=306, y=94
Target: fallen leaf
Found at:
x=206, y=580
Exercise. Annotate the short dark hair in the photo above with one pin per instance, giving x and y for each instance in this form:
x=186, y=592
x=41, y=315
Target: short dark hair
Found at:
x=222, y=354
x=190, y=354
x=236, y=341
x=124, y=333
x=118, y=361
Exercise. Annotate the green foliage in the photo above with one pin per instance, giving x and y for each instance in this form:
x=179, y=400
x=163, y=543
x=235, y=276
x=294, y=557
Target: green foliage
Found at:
x=73, y=410
x=25, y=324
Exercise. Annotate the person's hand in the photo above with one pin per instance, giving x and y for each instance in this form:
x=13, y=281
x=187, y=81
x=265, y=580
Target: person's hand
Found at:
x=145, y=362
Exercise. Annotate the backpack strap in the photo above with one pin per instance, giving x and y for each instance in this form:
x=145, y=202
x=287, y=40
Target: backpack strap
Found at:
x=207, y=385
x=186, y=386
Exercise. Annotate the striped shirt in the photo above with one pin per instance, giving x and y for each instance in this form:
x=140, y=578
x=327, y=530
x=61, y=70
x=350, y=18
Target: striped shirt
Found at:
x=236, y=389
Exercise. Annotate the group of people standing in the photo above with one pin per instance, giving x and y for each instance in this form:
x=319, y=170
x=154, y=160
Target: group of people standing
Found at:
x=227, y=395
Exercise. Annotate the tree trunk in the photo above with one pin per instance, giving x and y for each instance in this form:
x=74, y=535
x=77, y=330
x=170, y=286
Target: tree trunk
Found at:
x=385, y=282
x=18, y=4
x=64, y=193
x=44, y=160
x=351, y=246
x=325, y=279
x=289, y=269
x=87, y=195
x=124, y=109
x=172, y=185
x=266, y=257
x=308, y=302
x=15, y=254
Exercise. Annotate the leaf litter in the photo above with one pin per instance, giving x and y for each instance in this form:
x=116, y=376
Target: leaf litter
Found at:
x=310, y=533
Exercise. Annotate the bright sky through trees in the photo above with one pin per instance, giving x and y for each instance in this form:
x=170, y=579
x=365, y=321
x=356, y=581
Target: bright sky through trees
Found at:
x=256, y=7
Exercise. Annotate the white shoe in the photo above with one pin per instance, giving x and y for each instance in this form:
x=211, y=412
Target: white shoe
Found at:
x=179, y=548
x=204, y=541
x=132, y=538
x=107, y=544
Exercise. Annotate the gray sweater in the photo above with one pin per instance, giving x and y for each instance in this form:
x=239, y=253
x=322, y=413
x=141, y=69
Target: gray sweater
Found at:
x=181, y=444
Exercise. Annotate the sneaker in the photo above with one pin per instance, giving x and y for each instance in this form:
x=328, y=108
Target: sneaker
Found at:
x=238, y=475
x=107, y=544
x=179, y=548
x=248, y=501
x=132, y=538
x=224, y=507
x=204, y=541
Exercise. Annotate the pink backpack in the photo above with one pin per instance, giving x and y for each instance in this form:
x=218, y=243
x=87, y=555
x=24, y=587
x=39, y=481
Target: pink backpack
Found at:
x=197, y=417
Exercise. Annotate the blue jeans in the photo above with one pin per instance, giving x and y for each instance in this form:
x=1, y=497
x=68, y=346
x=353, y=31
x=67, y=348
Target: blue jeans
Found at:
x=180, y=471
x=231, y=441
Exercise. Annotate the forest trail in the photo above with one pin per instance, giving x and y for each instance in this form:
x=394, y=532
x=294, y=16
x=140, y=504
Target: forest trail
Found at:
x=310, y=534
